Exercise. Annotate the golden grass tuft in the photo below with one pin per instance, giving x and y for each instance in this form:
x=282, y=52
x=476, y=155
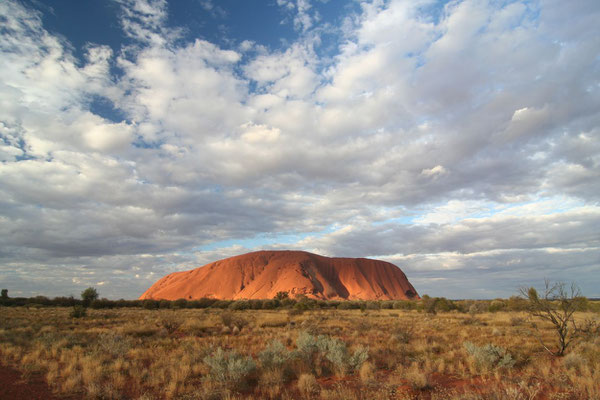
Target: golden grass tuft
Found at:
x=307, y=385
x=367, y=373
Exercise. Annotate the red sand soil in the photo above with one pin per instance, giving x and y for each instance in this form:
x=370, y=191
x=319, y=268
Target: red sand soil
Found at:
x=260, y=275
x=14, y=387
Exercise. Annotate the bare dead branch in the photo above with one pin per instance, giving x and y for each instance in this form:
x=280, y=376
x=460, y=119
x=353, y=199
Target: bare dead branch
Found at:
x=557, y=305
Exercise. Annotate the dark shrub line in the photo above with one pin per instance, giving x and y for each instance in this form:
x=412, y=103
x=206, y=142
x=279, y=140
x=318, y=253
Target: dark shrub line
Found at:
x=427, y=304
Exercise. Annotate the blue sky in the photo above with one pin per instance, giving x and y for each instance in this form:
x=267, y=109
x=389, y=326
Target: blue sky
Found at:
x=459, y=140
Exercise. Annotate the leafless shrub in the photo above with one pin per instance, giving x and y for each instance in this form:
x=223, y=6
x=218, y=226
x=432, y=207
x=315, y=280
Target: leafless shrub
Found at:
x=589, y=329
x=557, y=304
x=170, y=323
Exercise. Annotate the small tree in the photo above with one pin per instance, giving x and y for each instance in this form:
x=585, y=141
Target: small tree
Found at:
x=5, y=293
x=78, y=311
x=281, y=295
x=88, y=295
x=557, y=304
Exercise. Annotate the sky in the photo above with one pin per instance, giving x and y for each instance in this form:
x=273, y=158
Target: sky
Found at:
x=458, y=140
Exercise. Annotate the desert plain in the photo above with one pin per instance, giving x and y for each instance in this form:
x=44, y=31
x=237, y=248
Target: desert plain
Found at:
x=303, y=348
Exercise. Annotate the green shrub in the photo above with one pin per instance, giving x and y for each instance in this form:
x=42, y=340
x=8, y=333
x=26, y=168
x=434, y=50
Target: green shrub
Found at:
x=101, y=303
x=386, y=305
x=281, y=295
x=239, y=305
x=164, y=304
x=222, y=304
x=287, y=303
x=497, y=305
x=78, y=311
x=270, y=304
x=333, y=350
x=443, y=304
x=358, y=358
x=348, y=305
x=150, y=304
x=404, y=305
x=489, y=357
x=428, y=304
x=516, y=303
x=336, y=352
x=201, y=303
x=232, y=320
x=229, y=368
x=373, y=305
x=306, y=346
x=88, y=295
x=275, y=355
x=179, y=303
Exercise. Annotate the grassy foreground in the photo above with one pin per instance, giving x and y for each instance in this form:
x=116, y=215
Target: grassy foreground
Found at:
x=286, y=354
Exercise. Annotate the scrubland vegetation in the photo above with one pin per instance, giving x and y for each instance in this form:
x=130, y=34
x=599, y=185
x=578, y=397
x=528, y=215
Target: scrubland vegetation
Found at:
x=430, y=349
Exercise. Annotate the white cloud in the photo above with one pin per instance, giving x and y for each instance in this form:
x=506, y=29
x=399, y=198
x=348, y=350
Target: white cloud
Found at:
x=144, y=20
x=289, y=74
x=434, y=172
x=259, y=133
x=104, y=136
x=300, y=9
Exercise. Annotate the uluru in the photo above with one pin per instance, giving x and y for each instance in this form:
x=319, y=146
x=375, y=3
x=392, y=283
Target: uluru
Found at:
x=262, y=274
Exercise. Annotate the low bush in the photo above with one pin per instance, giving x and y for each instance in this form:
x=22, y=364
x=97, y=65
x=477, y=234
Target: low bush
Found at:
x=231, y=320
x=78, y=311
x=404, y=305
x=274, y=324
x=417, y=378
x=489, y=356
x=170, y=323
x=497, y=305
x=179, y=303
x=574, y=361
x=589, y=329
x=313, y=349
x=150, y=304
x=229, y=368
x=275, y=355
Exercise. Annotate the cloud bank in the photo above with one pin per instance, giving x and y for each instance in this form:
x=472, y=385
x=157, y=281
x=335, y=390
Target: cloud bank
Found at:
x=460, y=142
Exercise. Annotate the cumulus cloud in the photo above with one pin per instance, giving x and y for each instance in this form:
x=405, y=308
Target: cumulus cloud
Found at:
x=459, y=142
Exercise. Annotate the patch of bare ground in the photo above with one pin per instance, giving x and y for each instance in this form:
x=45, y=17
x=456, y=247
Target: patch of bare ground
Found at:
x=14, y=386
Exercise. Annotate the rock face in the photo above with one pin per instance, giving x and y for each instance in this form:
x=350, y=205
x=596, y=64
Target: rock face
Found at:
x=260, y=275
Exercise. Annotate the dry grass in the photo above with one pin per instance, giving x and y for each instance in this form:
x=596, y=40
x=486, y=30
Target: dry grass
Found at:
x=167, y=354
